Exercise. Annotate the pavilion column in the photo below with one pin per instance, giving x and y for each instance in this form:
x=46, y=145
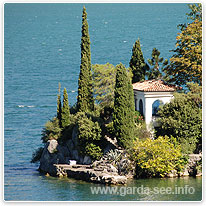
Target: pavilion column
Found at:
x=148, y=110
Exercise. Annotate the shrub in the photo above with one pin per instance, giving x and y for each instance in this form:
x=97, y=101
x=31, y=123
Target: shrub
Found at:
x=138, y=118
x=156, y=157
x=93, y=151
x=51, y=130
x=110, y=129
x=182, y=119
x=88, y=130
x=141, y=131
x=89, y=136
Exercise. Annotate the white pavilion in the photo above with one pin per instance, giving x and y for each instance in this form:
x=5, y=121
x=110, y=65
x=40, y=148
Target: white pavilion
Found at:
x=149, y=95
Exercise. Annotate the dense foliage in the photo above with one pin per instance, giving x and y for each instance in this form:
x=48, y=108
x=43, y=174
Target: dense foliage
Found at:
x=139, y=119
x=65, y=119
x=137, y=63
x=182, y=119
x=94, y=151
x=104, y=83
x=89, y=136
x=156, y=157
x=196, y=12
x=59, y=107
x=85, y=100
x=123, y=117
x=157, y=64
x=51, y=130
x=186, y=63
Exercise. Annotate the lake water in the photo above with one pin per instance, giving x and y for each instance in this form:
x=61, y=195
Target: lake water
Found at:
x=42, y=48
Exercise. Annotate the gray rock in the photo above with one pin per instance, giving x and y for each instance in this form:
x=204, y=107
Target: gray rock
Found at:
x=70, y=145
x=81, y=159
x=52, y=147
x=173, y=173
x=75, y=154
x=75, y=137
x=87, y=160
x=113, y=169
x=108, y=148
x=47, y=160
x=99, y=169
x=63, y=150
x=184, y=173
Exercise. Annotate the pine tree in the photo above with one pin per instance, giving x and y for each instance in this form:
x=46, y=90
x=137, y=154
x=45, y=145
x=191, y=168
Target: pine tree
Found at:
x=65, y=110
x=157, y=65
x=123, y=117
x=137, y=63
x=59, y=107
x=85, y=100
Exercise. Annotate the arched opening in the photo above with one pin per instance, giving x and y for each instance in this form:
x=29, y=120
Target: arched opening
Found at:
x=141, y=107
x=155, y=107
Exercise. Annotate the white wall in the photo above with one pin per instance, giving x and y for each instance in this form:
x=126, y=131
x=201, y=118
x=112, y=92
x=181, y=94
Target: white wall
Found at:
x=148, y=99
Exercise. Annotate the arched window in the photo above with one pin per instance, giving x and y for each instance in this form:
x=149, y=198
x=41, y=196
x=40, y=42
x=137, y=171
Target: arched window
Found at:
x=155, y=107
x=141, y=107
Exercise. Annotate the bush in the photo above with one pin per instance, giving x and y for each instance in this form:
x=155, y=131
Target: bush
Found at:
x=88, y=130
x=36, y=156
x=93, y=151
x=51, y=130
x=156, y=157
x=138, y=118
x=182, y=119
x=89, y=136
x=141, y=131
x=110, y=129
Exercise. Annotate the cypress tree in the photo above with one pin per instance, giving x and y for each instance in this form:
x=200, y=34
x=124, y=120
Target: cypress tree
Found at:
x=137, y=63
x=85, y=100
x=59, y=107
x=123, y=116
x=65, y=110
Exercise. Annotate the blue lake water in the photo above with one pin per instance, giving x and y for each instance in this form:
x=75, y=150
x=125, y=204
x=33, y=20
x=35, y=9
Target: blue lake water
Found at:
x=42, y=48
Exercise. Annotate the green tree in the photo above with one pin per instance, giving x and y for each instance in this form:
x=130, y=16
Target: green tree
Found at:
x=85, y=100
x=65, y=110
x=104, y=83
x=196, y=12
x=51, y=130
x=186, y=63
x=155, y=72
x=137, y=63
x=89, y=136
x=59, y=107
x=182, y=119
x=123, y=117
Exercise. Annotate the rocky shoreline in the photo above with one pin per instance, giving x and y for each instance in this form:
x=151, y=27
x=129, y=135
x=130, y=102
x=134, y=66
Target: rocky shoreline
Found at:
x=90, y=174
x=113, y=168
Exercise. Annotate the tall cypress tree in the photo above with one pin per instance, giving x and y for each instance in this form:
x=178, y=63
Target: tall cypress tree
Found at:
x=137, y=63
x=123, y=116
x=59, y=107
x=65, y=110
x=85, y=100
